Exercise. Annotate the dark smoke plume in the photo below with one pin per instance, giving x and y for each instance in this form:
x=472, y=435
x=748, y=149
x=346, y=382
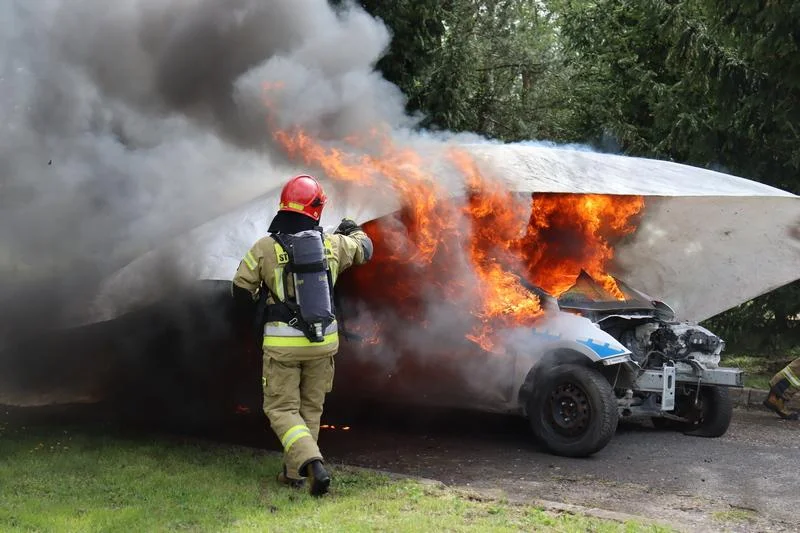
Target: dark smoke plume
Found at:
x=125, y=123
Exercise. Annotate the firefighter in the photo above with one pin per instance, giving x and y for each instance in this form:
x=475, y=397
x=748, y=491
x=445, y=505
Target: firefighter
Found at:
x=782, y=387
x=297, y=265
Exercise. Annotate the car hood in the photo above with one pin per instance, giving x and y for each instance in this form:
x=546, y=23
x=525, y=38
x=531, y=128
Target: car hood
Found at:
x=587, y=295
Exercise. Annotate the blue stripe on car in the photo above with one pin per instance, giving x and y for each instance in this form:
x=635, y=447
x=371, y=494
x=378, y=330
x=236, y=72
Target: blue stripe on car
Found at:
x=602, y=350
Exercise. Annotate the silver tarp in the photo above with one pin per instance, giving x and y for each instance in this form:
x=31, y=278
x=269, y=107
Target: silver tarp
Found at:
x=708, y=240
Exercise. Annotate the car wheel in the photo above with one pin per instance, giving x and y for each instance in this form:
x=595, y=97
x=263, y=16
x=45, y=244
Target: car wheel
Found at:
x=573, y=410
x=707, y=414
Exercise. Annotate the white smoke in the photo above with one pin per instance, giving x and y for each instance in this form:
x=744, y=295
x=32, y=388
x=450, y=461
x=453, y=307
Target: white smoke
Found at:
x=126, y=123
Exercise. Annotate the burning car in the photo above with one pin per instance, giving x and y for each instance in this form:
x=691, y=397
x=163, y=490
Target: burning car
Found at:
x=475, y=296
x=590, y=360
x=587, y=361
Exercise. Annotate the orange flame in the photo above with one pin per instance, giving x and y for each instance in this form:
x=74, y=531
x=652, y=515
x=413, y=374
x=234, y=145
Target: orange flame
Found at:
x=569, y=233
x=331, y=426
x=497, y=219
x=504, y=239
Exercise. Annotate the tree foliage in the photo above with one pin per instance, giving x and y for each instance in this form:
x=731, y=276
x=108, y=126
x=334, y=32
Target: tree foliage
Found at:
x=490, y=67
x=709, y=83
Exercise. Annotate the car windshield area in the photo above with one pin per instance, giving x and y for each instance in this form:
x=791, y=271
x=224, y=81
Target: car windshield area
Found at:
x=589, y=292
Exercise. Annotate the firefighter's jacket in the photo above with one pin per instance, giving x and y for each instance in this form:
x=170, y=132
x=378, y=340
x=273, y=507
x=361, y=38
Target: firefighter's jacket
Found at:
x=264, y=263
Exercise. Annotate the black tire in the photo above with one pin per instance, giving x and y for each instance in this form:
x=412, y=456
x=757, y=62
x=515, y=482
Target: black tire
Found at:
x=712, y=417
x=573, y=411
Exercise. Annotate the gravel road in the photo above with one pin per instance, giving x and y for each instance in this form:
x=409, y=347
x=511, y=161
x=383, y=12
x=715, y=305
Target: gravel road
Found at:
x=745, y=481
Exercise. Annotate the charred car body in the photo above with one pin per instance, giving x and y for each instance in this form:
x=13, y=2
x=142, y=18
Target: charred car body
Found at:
x=590, y=361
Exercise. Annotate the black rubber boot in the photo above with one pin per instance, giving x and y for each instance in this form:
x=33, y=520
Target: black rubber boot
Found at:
x=320, y=479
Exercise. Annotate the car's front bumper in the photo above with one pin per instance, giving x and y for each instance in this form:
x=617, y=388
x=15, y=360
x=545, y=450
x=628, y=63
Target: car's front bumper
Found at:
x=665, y=380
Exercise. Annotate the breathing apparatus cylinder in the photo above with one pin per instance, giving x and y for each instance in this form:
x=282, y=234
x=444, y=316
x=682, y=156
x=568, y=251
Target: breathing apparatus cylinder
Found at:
x=311, y=282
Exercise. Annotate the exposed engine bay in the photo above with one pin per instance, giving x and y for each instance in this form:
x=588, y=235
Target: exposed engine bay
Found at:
x=674, y=374
x=647, y=327
x=655, y=343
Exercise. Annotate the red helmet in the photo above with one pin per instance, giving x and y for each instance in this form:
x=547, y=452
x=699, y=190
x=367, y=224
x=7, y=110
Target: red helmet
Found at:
x=303, y=194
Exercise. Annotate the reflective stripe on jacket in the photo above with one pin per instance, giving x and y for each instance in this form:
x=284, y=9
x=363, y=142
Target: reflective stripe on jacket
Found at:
x=283, y=335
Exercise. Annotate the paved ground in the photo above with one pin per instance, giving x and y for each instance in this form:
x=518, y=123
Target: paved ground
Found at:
x=745, y=481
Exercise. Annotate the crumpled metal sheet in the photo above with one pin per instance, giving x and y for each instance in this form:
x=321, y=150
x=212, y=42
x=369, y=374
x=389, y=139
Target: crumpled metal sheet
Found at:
x=708, y=241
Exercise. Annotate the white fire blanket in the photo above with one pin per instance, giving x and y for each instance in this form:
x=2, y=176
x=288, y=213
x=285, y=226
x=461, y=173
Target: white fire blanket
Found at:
x=708, y=241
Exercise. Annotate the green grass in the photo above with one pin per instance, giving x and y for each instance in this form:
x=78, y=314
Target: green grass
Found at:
x=760, y=382
x=734, y=515
x=65, y=480
x=758, y=369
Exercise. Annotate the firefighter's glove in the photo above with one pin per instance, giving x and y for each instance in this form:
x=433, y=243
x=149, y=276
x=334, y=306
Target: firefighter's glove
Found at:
x=347, y=226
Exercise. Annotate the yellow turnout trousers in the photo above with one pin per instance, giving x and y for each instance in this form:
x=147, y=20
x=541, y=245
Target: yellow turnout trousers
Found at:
x=294, y=395
x=791, y=373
